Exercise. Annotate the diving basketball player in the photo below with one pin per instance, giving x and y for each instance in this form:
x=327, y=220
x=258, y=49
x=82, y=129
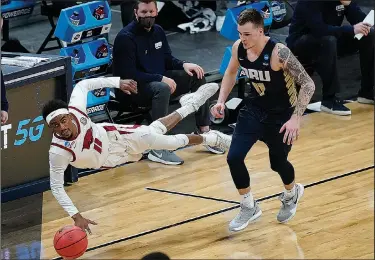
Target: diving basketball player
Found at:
x=272, y=113
x=83, y=144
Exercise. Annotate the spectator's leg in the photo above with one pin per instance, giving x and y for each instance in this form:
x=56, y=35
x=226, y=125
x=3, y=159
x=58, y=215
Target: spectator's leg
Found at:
x=325, y=64
x=327, y=67
x=348, y=45
x=154, y=94
x=160, y=100
x=366, y=56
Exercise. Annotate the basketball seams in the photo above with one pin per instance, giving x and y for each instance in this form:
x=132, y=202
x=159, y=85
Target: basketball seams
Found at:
x=70, y=244
x=80, y=253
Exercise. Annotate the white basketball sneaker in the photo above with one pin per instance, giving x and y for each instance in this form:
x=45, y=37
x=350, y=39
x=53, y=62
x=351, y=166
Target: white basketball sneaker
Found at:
x=217, y=139
x=199, y=97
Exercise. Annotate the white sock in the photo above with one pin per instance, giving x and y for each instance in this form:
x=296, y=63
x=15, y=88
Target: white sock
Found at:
x=248, y=200
x=185, y=110
x=158, y=127
x=209, y=139
x=290, y=193
x=183, y=140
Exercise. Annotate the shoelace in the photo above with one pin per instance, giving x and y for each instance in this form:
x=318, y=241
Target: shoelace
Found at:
x=285, y=201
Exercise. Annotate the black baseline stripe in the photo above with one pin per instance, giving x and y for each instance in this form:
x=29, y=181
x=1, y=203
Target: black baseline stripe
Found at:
x=159, y=229
x=214, y=212
x=269, y=196
x=193, y=195
x=340, y=176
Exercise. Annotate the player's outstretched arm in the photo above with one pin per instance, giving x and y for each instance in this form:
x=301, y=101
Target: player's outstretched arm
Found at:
x=291, y=64
x=78, y=98
x=58, y=165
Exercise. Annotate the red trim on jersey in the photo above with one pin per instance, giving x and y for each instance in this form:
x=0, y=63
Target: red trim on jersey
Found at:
x=109, y=128
x=78, y=126
x=79, y=111
x=66, y=149
x=122, y=132
x=132, y=127
x=97, y=148
x=98, y=142
x=106, y=167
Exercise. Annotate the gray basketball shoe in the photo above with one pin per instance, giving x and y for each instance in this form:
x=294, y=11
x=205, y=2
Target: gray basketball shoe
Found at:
x=244, y=217
x=289, y=206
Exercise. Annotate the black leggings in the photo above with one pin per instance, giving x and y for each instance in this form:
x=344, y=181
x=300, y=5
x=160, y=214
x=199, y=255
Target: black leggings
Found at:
x=253, y=124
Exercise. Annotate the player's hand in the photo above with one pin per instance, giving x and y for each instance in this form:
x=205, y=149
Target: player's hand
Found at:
x=128, y=86
x=291, y=130
x=363, y=28
x=4, y=117
x=82, y=222
x=218, y=110
x=170, y=82
x=191, y=67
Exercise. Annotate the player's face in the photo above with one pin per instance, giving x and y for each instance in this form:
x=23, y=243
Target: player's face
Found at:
x=63, y=126
x=250, y=35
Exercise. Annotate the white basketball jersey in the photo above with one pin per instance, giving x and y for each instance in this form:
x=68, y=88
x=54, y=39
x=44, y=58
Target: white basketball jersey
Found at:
x=89, y=149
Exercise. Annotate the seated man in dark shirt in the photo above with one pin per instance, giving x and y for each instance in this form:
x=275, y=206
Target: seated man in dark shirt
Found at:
x=317, y=36
x=141, y=52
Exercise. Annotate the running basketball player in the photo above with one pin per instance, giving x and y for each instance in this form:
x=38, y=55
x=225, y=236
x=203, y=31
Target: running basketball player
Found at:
x=83, y=144
x=272, y=113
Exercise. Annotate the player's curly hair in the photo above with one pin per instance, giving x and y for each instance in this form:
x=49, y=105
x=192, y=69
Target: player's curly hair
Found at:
x=251, y=16
x=53, y=105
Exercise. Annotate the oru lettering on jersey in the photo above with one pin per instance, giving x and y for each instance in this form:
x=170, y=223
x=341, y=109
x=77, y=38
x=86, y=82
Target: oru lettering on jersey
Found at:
x=256, y=74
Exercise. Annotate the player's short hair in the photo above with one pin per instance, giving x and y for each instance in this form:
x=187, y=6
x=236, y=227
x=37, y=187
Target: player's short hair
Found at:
x=251, y=16
x=53, y=105
x=145, y=2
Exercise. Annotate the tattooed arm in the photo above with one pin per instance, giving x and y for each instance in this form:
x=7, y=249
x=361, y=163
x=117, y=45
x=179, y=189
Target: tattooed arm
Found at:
x=290, y=63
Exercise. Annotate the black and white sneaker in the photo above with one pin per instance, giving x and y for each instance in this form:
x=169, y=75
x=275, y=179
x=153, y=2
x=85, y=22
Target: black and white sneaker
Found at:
x=335, y=107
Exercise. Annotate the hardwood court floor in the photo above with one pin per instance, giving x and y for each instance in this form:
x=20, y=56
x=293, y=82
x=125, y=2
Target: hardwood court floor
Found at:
x=334, y=220
x=338, y=213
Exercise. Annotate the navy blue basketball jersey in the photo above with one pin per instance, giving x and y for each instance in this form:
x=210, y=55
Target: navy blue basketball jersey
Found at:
x=274, y=91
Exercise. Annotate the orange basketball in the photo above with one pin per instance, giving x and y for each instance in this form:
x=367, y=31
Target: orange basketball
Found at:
x=70, y=242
